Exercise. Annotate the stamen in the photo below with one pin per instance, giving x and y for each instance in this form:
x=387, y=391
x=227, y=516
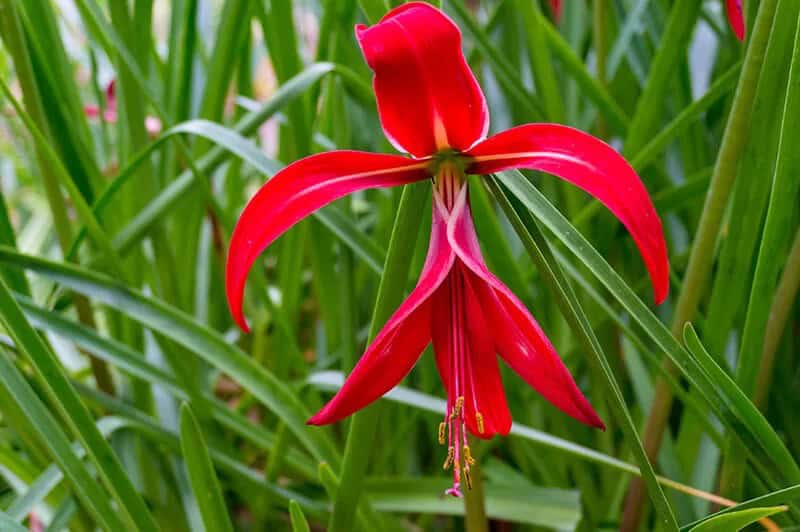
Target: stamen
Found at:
x=459, y=406
x=449, y=460
x=479, y=421
x=442, y=428
x=468, y=459
x=468, y=478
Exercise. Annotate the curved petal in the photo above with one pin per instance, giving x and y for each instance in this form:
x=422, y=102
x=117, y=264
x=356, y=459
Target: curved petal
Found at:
x=517, y=337
x=397, y=347
x=592, y=165
x=735, y=17
x=428, y=98
x=295, y=192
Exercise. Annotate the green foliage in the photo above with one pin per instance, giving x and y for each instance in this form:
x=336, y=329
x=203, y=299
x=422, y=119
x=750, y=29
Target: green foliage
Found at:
x=129, y=400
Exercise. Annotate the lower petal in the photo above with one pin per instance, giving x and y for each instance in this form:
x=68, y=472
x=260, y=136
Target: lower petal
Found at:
x=517, y=337
x=397, y=347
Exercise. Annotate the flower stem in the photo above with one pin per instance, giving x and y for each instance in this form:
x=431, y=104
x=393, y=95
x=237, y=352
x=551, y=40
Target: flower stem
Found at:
x=360, y=439
x=474, y=506
x=702, y=253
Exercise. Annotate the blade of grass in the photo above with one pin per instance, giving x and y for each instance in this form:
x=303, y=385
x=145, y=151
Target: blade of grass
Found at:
x=774, y=240
x=93, y=497
x=199, y=339
x=703, y=246
x=70, y=407
x=205, y=485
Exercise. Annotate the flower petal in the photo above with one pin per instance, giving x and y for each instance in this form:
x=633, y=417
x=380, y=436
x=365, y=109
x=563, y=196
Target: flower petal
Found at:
x=592, y=165
x=428, y=97
x=397, y=347
x=297, y=191
x=735, y=17
x=468, y=330
x=517, y=337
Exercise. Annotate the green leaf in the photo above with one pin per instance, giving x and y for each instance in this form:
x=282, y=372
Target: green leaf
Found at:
x=299, y=523
x=531, y=505
x=182, y=329
x=69, y=405
x=94, y=498
x=733, y=408
x=205, y=485
x=737, y=520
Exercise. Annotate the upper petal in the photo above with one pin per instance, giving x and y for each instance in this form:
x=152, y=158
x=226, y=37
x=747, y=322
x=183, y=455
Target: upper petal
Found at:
x=297, y=191
x=397, y=347
x=427, y=95
x=592, y=165
x=517, y=337
x=735, y=17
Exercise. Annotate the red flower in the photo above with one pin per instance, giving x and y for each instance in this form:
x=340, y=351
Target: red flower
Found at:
x=555, y=5
x=735, y=17
x=431, y=106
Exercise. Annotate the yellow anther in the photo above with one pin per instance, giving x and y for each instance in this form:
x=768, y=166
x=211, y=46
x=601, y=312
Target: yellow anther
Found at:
x=468, y=459
x=459, y=406
x=468, y=478
x=442, y=428
x=449, y=460
x=479, y=421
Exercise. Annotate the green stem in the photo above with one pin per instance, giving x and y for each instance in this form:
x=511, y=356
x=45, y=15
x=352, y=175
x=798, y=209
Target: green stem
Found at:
x=702, y=252
x=360, y=439
x=785, y=297
x=474, y=509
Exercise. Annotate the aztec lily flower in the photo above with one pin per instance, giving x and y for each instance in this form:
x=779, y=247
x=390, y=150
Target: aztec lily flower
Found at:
x=733, y=8
x=431, y=107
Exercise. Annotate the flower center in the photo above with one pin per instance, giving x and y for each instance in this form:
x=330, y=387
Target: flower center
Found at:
x=448, y=178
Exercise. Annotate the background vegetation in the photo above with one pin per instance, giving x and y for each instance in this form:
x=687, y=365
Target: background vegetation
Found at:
x=129, y=401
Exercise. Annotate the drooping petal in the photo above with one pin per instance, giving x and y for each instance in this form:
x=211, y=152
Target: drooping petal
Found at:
x=297, y=191
x=592, y=165
x=428, y=98
x=517, y=337
x=735, y=17
x=459, y=326
x=397, y=347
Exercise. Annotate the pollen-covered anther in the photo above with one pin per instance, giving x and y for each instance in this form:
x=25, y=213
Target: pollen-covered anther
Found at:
x=468, y=478
x=479, y=422
x=468, y=459
x=442, y=429
x=449, y=460
x=459, y=406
